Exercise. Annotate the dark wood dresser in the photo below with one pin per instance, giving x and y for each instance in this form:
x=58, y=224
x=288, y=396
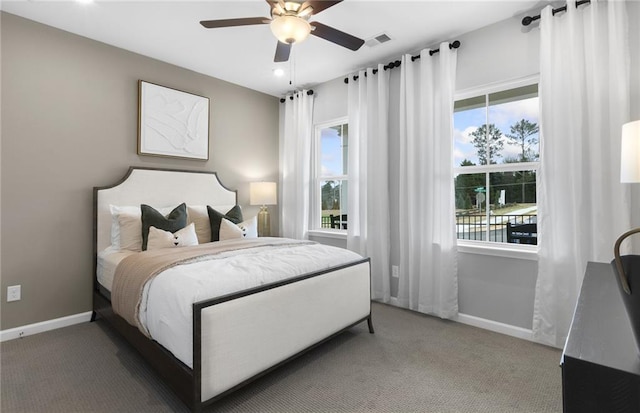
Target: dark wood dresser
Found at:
x=600, y=363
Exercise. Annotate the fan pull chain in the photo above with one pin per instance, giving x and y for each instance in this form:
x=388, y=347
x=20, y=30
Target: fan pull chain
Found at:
x=292, y=67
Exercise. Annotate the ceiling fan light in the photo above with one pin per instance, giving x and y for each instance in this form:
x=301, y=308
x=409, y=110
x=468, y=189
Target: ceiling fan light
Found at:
x=290, y=29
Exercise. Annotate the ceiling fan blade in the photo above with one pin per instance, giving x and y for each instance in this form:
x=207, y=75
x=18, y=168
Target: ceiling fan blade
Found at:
x=319, y=5
x=283, y=50
x=212, y=24
x=336, y=36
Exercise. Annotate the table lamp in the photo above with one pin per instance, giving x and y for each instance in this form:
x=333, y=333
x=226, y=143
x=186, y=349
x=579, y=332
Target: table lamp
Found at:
x=627, y=268
x=263, y=194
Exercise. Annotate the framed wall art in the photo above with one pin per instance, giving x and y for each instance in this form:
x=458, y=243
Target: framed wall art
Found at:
x=172, y=123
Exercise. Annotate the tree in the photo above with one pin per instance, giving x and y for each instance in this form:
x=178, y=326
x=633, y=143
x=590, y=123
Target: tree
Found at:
x=484, y=139
x=524, y=134
x=465, y=185
x=328, y=195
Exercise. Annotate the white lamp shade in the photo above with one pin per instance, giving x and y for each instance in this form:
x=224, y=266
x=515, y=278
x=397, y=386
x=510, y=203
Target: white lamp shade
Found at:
x=290, y=29
x=262, y=193
x=630, y=158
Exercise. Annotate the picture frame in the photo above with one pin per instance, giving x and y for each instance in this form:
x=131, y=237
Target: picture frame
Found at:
x=172, y=123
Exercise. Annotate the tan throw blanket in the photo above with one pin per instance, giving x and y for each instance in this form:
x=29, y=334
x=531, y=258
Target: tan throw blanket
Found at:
x=135, y=271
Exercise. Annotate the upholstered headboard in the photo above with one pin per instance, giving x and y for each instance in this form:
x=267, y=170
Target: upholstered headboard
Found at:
x=159, y=188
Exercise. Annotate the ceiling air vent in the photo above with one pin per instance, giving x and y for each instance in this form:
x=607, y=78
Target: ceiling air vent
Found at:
x=376, y=40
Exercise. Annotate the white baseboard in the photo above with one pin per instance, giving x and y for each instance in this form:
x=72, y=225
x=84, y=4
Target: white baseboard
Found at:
x=483, y=323
x=394, y=301
x=495, y=326
x=43, y=326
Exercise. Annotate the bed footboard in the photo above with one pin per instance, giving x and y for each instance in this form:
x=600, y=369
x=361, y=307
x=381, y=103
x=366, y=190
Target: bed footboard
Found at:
x=243, y=336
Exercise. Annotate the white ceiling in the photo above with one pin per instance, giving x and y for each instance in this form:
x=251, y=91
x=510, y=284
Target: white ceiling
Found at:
x=170, y=31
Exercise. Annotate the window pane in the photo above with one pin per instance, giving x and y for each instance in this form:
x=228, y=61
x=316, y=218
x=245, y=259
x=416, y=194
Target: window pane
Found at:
x=513, y=125
x=333, y=150
x=513, y=207
x=471, y=206
x=506, y=211
x=469, y=118
x=334, y=204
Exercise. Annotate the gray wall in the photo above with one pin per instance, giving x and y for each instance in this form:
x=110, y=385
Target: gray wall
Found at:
x=69, y=111
x=492, y=287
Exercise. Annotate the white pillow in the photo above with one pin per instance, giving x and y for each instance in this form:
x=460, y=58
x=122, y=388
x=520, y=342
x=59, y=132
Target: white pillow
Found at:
x=165, y=239
x=200, y=217
x=126, y=226
x=245, y=229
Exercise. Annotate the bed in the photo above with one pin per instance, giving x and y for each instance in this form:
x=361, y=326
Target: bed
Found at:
x=206, y=340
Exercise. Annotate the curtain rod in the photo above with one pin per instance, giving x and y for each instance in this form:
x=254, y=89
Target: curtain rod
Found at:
x=309, y=93
x=530, y=19
x=453, y=45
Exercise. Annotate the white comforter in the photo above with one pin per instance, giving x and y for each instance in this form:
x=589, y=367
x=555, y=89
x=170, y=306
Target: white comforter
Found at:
x=166, y=307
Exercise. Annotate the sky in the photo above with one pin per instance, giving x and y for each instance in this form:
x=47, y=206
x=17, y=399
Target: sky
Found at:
x=331, y=152
x=503, y=116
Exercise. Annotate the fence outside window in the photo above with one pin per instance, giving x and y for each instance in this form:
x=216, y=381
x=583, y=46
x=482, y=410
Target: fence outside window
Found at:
x=339, y=221
x=476, y=226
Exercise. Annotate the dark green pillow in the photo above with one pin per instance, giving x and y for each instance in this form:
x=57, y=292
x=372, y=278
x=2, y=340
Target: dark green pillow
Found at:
x=215, y=218
x=173, y=222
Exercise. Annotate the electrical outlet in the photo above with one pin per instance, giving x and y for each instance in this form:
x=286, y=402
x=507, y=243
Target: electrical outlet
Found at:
x=13, y=293
x=394, y=271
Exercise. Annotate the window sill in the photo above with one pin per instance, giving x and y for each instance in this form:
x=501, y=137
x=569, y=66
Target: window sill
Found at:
x=518, y=251
x=329, y=233
x=525, y=252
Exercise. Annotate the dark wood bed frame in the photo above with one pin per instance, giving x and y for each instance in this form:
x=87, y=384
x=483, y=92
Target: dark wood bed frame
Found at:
x=184, y=381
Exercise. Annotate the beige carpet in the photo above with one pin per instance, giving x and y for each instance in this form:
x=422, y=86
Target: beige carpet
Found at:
x=414, y=363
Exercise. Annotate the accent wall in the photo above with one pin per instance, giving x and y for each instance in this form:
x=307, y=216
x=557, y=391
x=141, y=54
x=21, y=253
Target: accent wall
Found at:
x=70, y=116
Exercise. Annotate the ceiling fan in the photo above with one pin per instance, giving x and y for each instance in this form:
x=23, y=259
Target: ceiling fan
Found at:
x=290, y=24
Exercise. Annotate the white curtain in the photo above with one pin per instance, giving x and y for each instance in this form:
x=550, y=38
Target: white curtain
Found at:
x=583, y=207
x=368, y=168
x=295, y=165
x=428, y=254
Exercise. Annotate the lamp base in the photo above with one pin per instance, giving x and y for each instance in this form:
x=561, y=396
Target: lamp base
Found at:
x=264, y=222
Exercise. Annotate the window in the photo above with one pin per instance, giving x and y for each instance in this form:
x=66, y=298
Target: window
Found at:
x=332, y=141
x=496, y=153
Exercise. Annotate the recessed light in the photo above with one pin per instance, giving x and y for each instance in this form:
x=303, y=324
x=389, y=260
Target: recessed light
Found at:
x=84, y=1
x=278, y=72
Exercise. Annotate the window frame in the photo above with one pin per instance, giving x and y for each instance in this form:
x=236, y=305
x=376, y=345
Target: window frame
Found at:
x=502, y=249
x=316, y=210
